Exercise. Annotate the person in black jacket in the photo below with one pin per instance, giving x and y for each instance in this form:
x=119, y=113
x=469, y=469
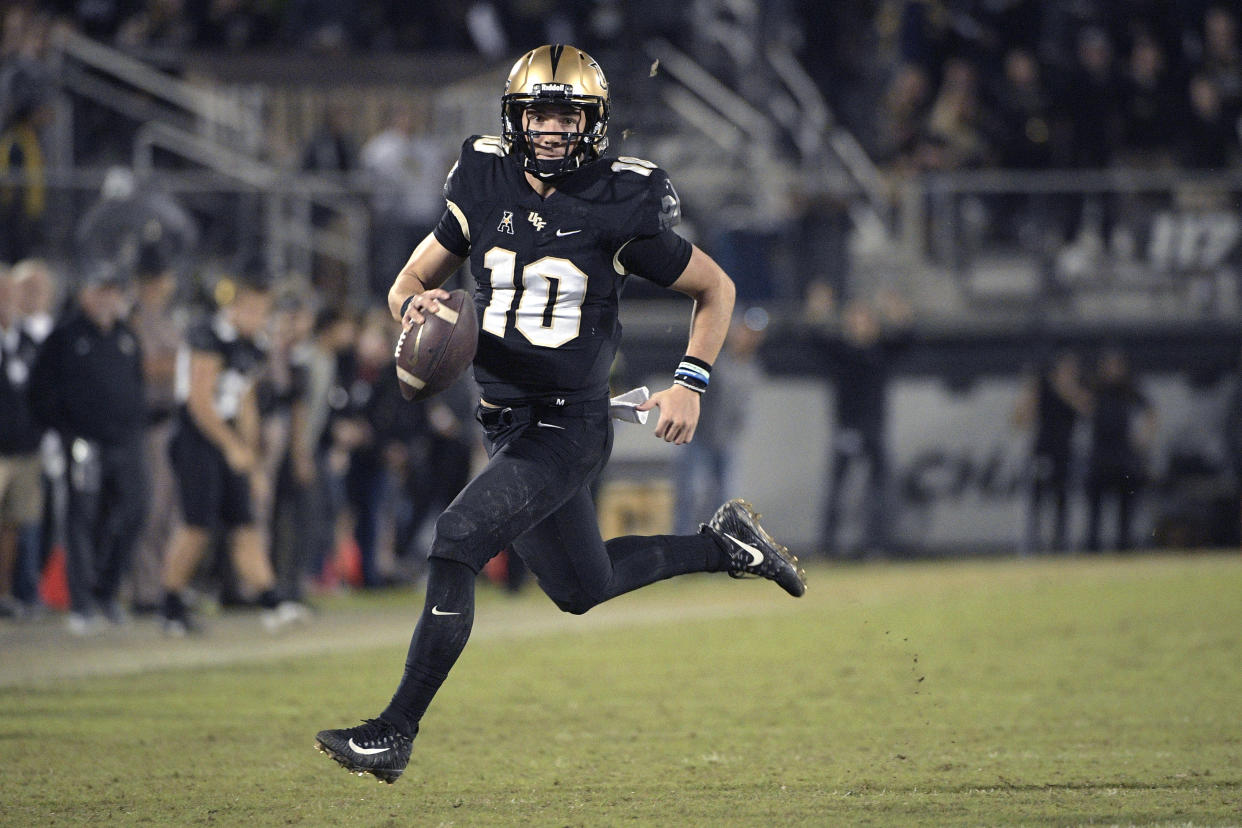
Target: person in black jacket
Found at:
x=859, y=361
x=1052, y=400
x=88, y=385
x=1123, y=425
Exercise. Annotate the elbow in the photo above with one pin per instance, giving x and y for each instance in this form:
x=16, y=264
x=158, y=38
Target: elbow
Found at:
x=721, y=295
x=728, y=291
x=395, y=299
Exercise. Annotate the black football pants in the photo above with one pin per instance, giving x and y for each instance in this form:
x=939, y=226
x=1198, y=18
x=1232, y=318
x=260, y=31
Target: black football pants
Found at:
x=104, y=517
x=534, y=497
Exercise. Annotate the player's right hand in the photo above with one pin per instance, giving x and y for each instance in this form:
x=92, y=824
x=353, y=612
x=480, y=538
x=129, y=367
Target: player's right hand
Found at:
x=425, y=302
x=679, y=414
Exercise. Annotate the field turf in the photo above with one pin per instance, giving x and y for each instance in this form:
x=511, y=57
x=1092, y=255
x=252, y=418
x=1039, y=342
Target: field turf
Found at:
x=1011, y=692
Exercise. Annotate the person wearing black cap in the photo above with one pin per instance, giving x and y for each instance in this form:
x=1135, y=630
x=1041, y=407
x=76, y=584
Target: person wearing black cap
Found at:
x=87, y=384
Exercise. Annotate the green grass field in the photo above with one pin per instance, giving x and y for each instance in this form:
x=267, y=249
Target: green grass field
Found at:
x=1069, y=691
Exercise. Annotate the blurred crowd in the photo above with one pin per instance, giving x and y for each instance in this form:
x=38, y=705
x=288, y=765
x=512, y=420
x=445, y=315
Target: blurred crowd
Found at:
x=488, y=27
x=112, y=379
x=1028, y=85
x=962, y=83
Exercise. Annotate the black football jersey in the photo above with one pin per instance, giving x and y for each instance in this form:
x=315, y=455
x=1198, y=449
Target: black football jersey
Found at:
x=548, y=270
x=242, y=360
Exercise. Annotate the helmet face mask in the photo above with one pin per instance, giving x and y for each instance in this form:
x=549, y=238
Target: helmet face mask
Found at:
x=561, y=78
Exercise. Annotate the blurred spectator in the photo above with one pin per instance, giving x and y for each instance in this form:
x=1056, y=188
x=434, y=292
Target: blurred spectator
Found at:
x=1151, y=101
x=21, y=490
x=405, y=171
x=25, y=112
x=1209, y=137
x=1023, y=133
x=160, y=331
x=321, y=25
x=101, y=19
x=1222, y=56
x=1093, y=98
x=902, y=112
x=955, y=122
x=386, y=423
x=292, y=500
x=331, y=146
x=1050, y=404
x=37, y=295
x=88, y=385
x=330, y=432
x=159, y=24
x=859, y=360
x=1123, y=425
x=215, y=456
x=703, y=468
x=1025, y=115
x=1093, y=102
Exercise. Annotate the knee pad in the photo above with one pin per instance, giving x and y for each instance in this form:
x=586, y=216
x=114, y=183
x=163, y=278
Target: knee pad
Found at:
x=454, y=533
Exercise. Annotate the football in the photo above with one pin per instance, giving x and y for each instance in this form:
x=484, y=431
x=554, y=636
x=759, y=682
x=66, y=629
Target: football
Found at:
x=431, y=356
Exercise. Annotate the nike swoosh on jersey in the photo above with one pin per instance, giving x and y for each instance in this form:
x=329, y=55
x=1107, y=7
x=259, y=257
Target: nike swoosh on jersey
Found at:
x=437, y=611
x=367, y=751
x=756, y=557
x=567, y=232
x=542, y=424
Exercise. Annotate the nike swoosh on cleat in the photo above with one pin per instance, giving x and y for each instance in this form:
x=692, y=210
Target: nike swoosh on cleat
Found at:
x=567, y=232
x=756, y=557
x=542, y=424
x=367, y=751
x=437, y=611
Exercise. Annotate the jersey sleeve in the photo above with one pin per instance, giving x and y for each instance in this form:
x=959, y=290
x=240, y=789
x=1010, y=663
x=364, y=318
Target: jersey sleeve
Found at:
x=660, y=207
x=660, y=258
x=462, y=192
x=648, y=246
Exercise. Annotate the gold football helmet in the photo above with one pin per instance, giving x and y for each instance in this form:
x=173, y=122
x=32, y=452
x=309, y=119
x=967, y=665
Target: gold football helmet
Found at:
x=563, y=75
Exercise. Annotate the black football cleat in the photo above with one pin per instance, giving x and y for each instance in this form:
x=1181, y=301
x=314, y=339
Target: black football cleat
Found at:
x=373, y=747
x=751, y=550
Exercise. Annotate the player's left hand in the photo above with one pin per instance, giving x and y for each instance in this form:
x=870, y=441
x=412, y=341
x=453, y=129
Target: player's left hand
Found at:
x=679, y=413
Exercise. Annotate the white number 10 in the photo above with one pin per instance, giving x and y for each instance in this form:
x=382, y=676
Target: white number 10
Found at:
x=549, y=312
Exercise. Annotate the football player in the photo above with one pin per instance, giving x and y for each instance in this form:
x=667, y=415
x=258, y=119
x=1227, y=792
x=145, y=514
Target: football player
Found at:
x=552, y=226
x=215, y=457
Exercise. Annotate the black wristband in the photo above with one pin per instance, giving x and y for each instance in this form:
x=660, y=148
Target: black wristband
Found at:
x=693, y=373
x=406, y=304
